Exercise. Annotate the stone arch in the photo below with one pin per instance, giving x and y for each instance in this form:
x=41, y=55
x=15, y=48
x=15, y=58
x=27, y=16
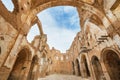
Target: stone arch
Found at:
x=77, y=67
x=76, y=3
x=33, y=75
x=38, y=22
x=96, y=20
x=115, y=5
x=38, y=6
x=21, y=65
x=111, y=60
x=97, y=68
x=84, y=67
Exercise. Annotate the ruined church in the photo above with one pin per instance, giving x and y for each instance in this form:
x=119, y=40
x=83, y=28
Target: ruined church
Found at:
x=93, y=55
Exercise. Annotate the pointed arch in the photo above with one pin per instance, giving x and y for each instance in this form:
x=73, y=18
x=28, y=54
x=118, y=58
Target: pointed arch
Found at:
x=111, y=60
x=19, y=69
x=84, y=67
x=97, y=68
x=33, y=72
x=77, y=67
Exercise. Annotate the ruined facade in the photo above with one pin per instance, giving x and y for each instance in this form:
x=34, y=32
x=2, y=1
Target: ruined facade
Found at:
x=94, y=53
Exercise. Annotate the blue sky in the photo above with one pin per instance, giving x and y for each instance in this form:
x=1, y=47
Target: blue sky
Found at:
x=60, y=23
x=8, y=4
x=66, y=16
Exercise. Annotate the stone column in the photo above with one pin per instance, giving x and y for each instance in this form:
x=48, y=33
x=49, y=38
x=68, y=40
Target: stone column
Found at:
x=105, y=72
x=35, y=72
x=83, y=70
x=76, y=70
x=4, y=73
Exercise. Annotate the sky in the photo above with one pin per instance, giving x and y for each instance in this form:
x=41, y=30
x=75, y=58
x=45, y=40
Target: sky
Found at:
x=60, y=23
x=9, y=5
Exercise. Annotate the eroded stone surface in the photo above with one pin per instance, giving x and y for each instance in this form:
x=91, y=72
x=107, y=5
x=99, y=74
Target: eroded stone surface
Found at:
x=93, y=55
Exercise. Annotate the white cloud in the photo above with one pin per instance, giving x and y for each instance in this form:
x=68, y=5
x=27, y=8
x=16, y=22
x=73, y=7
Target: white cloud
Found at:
x=68, y=9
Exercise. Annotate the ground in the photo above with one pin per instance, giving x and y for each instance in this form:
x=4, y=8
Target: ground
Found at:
x=61, y=77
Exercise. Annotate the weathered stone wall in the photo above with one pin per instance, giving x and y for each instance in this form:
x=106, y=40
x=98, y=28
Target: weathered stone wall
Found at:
x=94, y=41
x=94, y=53
x=7, y=38
x=59, y=62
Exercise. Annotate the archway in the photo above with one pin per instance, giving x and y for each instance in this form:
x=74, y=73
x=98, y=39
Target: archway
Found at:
x=19, y=70
x=33, y=69
x=84, y=67
x=37, y=6
x=112, y=64
x=97, y=68
x=77, y=68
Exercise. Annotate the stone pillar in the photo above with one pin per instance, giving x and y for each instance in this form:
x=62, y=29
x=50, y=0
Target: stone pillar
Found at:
x=4, y=73
x=38, y=71
x=35, y=72
x=76, y=70
x=105, y=72
x=93, y=72
x=83, y=70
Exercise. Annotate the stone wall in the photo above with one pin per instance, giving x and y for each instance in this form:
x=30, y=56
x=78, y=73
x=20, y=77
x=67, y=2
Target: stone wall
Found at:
x=94, y=53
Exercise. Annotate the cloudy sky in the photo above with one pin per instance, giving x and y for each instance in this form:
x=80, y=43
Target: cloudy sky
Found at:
x=61, y=24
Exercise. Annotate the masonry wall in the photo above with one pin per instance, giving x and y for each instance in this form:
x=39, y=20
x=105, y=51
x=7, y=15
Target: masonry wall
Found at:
x=94, y=53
